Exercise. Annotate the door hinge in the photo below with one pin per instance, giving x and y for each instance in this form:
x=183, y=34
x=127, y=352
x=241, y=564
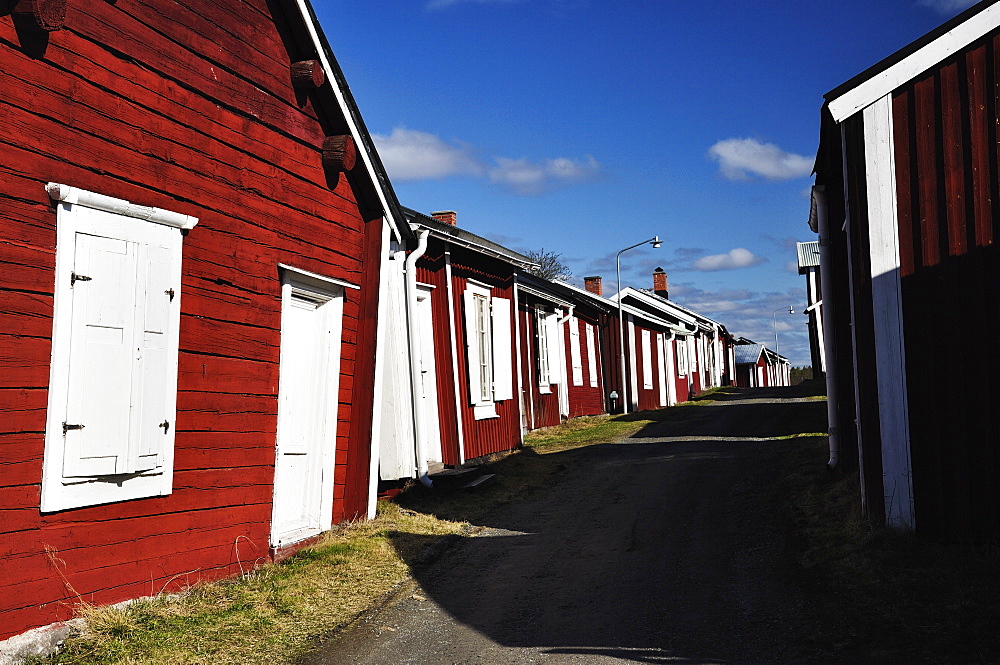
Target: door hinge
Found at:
x=170, y=292
x=67, y=427
x=74, y=278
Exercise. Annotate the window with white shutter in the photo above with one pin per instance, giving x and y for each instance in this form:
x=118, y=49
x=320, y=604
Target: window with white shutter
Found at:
x=542, y=344
x=576, y=359
x=647, y=360
x=489, y=354
x=113, y=380
x=680, y=344
x=591, y=355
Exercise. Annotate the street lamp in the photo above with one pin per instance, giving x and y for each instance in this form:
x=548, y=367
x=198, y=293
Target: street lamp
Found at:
x=655, y=242
x=774, y=324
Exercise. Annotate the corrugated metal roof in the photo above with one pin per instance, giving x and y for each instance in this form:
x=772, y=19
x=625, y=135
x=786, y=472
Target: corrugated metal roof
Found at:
x=748, y=353
x=808, y=255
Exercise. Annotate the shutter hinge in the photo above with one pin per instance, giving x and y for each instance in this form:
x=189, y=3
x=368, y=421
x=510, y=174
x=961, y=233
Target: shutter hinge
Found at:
x=74, y=278
x=170, y=292
x=67, y=427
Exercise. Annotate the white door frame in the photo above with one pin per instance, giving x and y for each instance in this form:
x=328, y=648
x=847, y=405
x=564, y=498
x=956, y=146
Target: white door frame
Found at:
x=297, y=289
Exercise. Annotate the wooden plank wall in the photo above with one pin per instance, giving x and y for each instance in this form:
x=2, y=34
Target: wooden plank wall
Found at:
x=948, y=189
x=491, y=435
x=585, y=400
x=186, y=106
x=545, y=405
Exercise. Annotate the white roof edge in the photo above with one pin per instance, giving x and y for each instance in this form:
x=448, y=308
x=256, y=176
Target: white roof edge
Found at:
x=888, y=80
x=328, y=69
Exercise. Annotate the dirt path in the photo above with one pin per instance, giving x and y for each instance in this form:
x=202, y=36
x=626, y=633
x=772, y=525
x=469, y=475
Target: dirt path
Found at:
x=660, y=549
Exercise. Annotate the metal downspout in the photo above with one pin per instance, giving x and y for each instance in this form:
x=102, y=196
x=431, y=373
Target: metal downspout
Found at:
x=826, y=291
x=416, y=385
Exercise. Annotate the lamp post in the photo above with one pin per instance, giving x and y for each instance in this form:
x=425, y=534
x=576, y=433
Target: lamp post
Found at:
x=655, y=242
x=774, y=324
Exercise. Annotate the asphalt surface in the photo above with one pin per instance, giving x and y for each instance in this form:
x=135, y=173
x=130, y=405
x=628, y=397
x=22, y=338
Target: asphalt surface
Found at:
x=666, y=548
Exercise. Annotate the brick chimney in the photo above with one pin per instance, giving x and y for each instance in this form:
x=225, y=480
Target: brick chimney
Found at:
x=446, y=216
x=660, y=283
x=593, y=284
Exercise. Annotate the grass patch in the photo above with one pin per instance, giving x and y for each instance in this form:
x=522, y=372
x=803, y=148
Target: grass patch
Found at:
x=270, y=615
x=893, y=598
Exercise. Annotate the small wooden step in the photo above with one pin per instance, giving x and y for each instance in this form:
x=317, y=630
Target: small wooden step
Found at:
x=480, y=482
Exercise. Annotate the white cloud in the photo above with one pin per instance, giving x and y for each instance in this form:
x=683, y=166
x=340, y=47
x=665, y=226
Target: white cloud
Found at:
x=735, y=258
x=409, y=154
x=526, y=177
x=947, y=6
x=740, y=158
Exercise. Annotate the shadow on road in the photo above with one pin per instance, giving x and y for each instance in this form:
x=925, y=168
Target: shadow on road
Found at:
x=646, y=551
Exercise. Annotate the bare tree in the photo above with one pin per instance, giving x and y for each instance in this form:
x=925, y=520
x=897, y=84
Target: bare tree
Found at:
x=549, y=265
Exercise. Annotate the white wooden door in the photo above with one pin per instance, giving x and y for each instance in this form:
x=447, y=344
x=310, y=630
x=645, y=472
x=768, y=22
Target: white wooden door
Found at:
x=428, y=377
x=307, y=411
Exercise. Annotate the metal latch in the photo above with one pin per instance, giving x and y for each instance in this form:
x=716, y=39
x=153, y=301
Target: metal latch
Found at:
x=165, y=425
x=170, y=292
x=67, y=427
x=74, y=278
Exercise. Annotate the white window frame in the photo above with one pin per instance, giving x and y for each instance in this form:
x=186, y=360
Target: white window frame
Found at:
x=88, y=213
x=489, y=341
x=591, y=355
x=544, y=355
x=680, y=345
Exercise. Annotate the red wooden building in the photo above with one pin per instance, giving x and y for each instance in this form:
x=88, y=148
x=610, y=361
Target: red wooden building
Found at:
x=193, y=224
x=906, y=205
x=759, y=367
x=560, y=329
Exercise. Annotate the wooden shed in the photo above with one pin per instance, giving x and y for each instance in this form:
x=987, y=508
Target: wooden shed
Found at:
x=906, y=205
x=194, y=219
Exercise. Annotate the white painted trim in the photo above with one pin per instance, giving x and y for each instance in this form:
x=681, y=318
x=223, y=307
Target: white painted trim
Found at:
x=320, y=278
x=633, y=378
x=381, y=326
x=519, y=382
x=74, y=196
x=890, y=356
x=459, y=426
x=888, y=80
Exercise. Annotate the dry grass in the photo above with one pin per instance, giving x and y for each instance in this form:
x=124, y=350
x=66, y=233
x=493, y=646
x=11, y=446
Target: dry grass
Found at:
x=269, y=615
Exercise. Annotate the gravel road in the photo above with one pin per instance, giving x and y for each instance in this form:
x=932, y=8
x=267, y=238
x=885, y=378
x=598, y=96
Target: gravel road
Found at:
x=666, y=548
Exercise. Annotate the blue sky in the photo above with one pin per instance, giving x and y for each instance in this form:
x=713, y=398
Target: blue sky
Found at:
x=585, y=126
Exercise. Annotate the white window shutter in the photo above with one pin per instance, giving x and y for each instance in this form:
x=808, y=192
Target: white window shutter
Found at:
x=153, y=426
x=542, y=340
x=471, y=347
x=591, y=356
x=574, y=351
x=102, y=327
x=556, y=363
x=647, y=360
x=503, y=373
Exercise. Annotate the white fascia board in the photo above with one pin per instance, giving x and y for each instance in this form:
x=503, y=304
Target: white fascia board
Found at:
x=542, y=295
x=76, y=196
x=312, y=28
x=664, y=306
x=888, y=80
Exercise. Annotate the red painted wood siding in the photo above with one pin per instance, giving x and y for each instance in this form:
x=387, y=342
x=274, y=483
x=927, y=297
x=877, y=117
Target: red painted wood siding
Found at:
x=186, y=106
x=647, y=398
x=948, y=188
x=585, y=400
x=681, y=382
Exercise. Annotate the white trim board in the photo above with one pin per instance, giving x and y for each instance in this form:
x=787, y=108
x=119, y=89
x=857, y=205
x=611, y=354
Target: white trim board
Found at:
x=888, y=80
x=890, y=356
